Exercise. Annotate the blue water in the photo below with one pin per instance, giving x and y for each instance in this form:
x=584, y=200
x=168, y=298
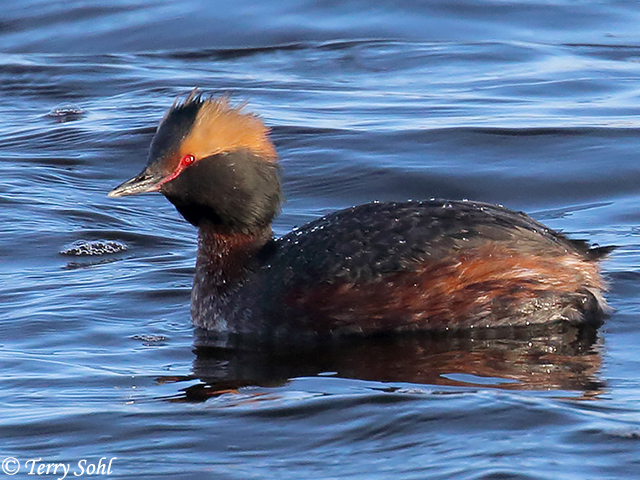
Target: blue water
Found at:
x=531, y=104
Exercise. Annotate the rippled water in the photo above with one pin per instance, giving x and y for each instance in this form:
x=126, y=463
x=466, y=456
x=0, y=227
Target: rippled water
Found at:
x=532, y=104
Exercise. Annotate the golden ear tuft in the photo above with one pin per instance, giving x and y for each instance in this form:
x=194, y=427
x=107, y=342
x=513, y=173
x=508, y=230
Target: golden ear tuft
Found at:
x=220, y=128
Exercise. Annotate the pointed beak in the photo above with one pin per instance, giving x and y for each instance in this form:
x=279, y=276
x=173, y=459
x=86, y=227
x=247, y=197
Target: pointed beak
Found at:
x=142, y=183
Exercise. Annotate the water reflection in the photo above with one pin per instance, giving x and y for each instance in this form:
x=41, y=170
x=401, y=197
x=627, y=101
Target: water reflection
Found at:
x=553, y=357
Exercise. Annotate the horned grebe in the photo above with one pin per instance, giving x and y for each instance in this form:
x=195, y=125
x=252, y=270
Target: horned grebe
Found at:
x=374, y=268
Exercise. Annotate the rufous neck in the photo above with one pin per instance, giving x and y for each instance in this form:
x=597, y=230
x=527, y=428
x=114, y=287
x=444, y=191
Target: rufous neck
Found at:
x=224, y=259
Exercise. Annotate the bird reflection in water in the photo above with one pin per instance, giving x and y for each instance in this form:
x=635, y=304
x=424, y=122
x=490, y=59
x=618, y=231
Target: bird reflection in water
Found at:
x=559, y=357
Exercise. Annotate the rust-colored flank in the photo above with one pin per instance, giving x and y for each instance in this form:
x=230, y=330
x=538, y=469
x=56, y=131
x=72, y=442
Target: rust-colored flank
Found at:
x=478, y=288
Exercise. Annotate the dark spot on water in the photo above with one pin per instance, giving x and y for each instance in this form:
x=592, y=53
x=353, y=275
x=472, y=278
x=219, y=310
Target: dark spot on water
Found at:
x=81, y=248
x=79, y=265
x=149, y=339
x=66, y=113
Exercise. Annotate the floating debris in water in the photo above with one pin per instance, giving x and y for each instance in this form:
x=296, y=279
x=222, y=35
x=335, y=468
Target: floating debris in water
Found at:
x=81, y=248
x=149, y=339
x=66, y=113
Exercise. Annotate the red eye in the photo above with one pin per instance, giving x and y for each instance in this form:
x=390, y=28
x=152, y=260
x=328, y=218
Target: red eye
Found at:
x=187, y=160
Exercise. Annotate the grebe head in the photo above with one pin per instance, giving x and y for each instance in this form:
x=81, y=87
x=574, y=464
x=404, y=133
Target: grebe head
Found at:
x=215, y=163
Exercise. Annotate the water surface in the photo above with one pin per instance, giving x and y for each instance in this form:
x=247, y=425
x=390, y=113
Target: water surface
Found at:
x=531, y=104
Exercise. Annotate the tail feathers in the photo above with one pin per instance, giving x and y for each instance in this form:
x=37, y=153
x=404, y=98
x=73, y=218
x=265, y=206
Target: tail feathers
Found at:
x=596, y=253
x=590, y=252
